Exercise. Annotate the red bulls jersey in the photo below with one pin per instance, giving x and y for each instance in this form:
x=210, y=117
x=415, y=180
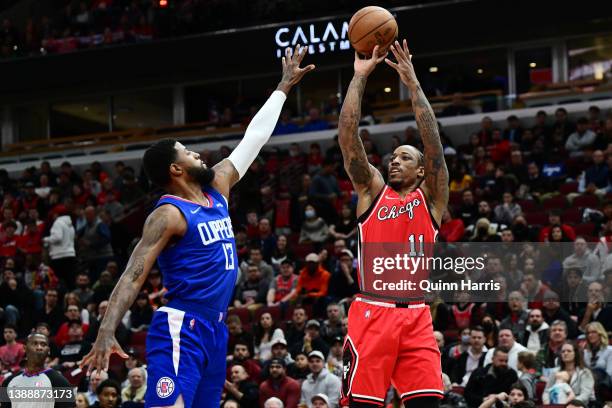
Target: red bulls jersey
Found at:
x=396, y=237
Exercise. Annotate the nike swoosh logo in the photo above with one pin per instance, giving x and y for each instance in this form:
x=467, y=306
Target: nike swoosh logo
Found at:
x=196, y=210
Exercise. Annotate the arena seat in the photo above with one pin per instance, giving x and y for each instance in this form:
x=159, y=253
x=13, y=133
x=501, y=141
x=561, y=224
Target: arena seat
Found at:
x=585, y=229
x=586, y=201
x=555, y=202
x=537, y=218
x=528, y=206
x=572, y=216
x=540, y=385
x=567, y=188
x=242, y=313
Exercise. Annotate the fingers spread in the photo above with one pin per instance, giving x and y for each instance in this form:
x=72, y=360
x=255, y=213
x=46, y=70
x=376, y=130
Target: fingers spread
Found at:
x=391, y=64
x=406, y=50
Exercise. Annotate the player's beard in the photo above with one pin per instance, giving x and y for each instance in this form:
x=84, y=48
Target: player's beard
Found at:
x=202, y=175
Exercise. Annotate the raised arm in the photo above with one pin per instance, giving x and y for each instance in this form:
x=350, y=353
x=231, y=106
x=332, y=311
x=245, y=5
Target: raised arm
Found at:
x=366, y=179
x=165, y=223
x=229, y=171
x=436, y=173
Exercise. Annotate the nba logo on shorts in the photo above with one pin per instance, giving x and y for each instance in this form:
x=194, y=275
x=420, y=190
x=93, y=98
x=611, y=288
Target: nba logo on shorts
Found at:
x=367, y=314
x=165, y=387
x=191, y=324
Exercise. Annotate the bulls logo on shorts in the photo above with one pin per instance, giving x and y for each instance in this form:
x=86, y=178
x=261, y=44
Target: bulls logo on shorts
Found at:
x=165, y=387
x=349, y=364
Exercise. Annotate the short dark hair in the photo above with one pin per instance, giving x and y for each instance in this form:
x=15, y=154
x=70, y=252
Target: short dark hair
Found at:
x=157, y=160
x=109, y=383
x=583, y=121
x=10, y=326
x=527, y=359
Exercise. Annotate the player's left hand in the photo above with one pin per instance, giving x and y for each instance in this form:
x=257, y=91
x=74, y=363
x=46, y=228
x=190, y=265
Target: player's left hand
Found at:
x=403, y=66
x=292, y=73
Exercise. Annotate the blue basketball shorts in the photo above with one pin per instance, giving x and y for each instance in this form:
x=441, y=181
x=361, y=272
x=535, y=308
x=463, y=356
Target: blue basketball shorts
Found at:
x=186, y=356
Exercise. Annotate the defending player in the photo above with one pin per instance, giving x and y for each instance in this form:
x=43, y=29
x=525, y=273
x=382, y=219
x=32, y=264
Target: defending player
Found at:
x=190, y=235
x=390, y=338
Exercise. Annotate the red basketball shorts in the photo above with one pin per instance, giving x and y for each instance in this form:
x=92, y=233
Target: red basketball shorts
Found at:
x=389, y=345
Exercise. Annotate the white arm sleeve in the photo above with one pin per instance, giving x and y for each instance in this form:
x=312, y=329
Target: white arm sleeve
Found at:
x=258, y=132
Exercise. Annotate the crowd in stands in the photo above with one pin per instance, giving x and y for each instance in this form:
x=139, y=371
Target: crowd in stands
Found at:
x=70, y=25
x=64, y=243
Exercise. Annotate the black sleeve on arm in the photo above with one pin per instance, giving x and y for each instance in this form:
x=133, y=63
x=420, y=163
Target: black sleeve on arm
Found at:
x=59, y=381
x=3, y=393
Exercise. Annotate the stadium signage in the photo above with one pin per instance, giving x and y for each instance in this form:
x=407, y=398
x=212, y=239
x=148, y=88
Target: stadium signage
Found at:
x=320, y=38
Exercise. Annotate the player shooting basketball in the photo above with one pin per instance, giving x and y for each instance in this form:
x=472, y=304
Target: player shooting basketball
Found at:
x=190, y=236
x=391, y=341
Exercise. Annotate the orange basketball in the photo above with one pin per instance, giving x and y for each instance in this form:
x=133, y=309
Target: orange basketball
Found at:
x=372, y=26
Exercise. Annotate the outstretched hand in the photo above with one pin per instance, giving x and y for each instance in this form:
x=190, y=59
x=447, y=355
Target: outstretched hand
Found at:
x=403, y=66
x=366, y=66
x=97, y=359
x=292, y=73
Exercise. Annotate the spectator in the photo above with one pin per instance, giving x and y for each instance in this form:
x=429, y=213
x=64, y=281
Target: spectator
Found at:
x=517, y=319
x=242, y=356
x=241, y=388
x=456, y=107
x=299, y=370
x=596, y=309
x=81, y=401
x=296, y=329
x=562, y=123
x=507, y=342
x=580, y=378
x=93, y=382
x=574, y=291
x=314, y=229
x=552, y=311
x=506, y=212
x=252, y=292
x=267, y=239
x=513, y=133
x=582, y=139
x=141, y=313
x=499, y=149
x=584, y=259
x=109, y=395
x=312, y=340
x=314, y=121
x=346, y=227
x=255, y=258
x=279, y=385
x=61, y=246
x=538, y=185
x=281, y=253
x=320, y=381
x=279, y=351
x=236, y=333
x=471, y=359
x=493, y=378
x=597, y=177
x=51, y=312
x=468, y=210
x=282, y=288
x=452, y=229
x=343, y=281
x=12, y=352
x=135, y=392
x=313, y=280
x=514, y=398
x=72, y=313
x=75, y=348
x=94, y=239
x=270, y=402
x=551, y=351
x=535, y=335
x=265, y=331
x=598, y=354
x=332, y=326
x=324, y=191
x=533, y=288
x=554, y=219
x=285, y=124
x=14, y=299
x=540, y=129
x=527, y=368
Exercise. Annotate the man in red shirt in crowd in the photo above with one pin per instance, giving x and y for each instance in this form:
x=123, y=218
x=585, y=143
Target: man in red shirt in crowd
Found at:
x=499, y=149
x=452, y=229
x=31, y=240
x=283, y=286
x=280, y=386
x=12, y=352
x=72, y=314
x=8, y=243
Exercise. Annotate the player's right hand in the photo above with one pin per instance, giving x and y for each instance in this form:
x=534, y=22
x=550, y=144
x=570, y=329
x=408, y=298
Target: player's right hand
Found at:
x=97, y=359
x=366, y=66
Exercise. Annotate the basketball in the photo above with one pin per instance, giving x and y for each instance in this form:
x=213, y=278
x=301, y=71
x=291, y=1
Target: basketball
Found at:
x=372, y=26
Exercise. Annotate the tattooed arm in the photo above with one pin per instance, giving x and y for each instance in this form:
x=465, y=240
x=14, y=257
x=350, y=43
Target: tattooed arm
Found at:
x=436, y=172
x=366, y=179
x=165, y=223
